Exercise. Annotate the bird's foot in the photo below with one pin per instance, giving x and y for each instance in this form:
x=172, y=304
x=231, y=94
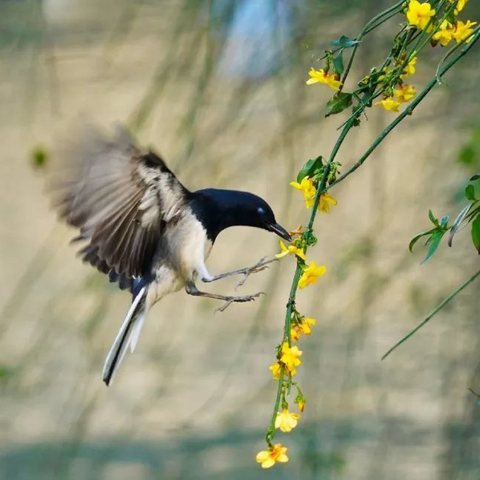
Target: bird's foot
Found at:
x=238, y=299
x=191, y=289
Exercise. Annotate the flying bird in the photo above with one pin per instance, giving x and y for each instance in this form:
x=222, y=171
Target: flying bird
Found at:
x=143, y=228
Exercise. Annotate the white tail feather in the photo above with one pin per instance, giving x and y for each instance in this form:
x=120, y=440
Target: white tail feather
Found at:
x=126, y=336
x=136, y=329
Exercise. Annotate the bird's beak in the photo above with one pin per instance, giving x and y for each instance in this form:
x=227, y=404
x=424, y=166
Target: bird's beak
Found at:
x=280, y=231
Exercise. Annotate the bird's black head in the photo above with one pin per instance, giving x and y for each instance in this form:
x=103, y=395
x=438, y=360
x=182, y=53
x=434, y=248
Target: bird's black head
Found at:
x=220, y=209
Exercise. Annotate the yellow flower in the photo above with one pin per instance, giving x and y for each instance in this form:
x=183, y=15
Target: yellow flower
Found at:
x=389, y=103
x=445, y=35
x=304, y=327
x=276, y=453
x=419, y=14
x=326, y=203
x=290, y=249
x=321, y=76
x=308, y=188
x=290, y=358
x=286, y=421
x=463, y=31
x=301, y=404
x=311, y=274
x=404, y=93
x=276, y=370
x=410, y=68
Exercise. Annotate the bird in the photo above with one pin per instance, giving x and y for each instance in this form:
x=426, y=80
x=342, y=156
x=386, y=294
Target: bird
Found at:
x=142, y=227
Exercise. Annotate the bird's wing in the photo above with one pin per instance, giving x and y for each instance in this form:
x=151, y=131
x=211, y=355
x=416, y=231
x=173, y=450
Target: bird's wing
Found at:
x=120, y=198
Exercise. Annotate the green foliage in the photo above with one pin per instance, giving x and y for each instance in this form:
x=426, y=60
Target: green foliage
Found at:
x=311, y=168
x=469, y=213
x=433, y=236
x=338, y=63
x=314, y=169
x=338, y=103
x=344, y=42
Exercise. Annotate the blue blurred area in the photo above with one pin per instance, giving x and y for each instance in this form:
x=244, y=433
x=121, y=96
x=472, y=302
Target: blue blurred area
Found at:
x=256, y=38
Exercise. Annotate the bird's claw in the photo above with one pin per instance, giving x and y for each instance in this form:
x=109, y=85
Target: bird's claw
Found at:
x=238, y=299
x=261, y=265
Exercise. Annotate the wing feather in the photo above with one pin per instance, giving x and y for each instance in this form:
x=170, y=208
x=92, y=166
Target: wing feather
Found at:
x=120, y=198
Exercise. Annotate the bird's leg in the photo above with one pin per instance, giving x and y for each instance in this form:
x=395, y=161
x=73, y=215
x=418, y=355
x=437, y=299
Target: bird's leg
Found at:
x=192, y=289
x=262, y=264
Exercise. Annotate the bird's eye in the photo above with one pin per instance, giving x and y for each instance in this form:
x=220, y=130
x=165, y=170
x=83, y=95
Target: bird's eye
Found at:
x=260, y=211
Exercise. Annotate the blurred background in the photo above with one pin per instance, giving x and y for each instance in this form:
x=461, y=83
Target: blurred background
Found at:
x=218, y=88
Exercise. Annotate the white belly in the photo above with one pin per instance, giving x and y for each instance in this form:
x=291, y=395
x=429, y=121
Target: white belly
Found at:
x=189, y=243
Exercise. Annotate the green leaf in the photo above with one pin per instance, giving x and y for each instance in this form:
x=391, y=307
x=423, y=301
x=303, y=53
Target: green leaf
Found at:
x=344, y=42
x=467, y=155
x=432, y=218
x=339, y=103
x=338, y=63
x=470, y=192
x=434, y=242
x=308, y=170
x=417, y=237
x=476, y=233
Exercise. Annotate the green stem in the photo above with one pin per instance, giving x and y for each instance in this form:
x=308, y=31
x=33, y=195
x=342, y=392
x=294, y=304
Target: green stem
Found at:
x=271, y=427
x=432, y=313
x=286, y=336
x=294, y=286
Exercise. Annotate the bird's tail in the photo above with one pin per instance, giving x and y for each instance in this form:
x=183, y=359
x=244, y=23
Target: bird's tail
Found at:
x=126, y=336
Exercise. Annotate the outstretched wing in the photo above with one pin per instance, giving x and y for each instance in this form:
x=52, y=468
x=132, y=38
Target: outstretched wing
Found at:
x=121, y=200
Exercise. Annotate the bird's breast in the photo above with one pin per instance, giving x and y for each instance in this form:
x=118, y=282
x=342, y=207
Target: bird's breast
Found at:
x=189, y=245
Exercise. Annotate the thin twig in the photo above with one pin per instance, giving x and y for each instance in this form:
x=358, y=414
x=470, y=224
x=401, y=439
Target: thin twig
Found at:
x=432, y=313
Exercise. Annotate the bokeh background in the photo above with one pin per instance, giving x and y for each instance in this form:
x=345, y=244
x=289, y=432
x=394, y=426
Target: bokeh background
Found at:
x=218, y=87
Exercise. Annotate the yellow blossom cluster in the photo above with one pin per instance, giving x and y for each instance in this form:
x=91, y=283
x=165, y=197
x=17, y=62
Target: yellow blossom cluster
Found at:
x=459, y=31
x=420, y=15
x=289, y=360
x=311, y=271
x=403, y=93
